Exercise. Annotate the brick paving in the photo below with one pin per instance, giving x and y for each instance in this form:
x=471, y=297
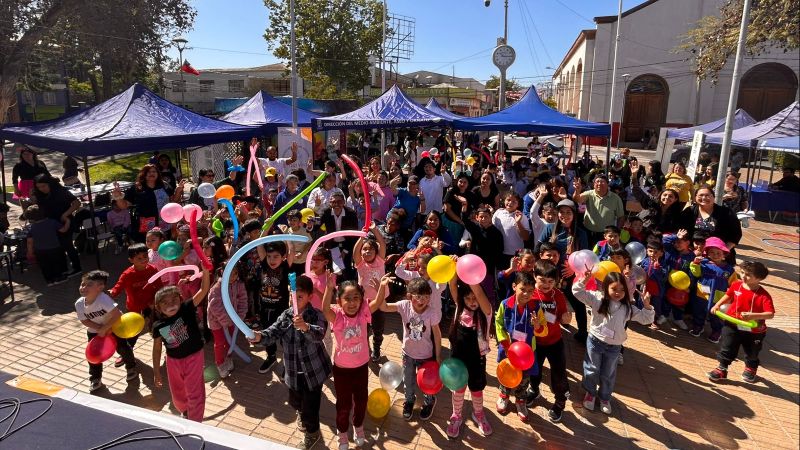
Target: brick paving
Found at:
x=662, y=400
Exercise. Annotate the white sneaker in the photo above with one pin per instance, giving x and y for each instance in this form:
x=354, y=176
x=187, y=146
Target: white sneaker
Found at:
x=605, y=406
x=620, y=360
x=681, y=324
x=359, y=437
x=224, y=369
x=502, y=405
x=661, y=320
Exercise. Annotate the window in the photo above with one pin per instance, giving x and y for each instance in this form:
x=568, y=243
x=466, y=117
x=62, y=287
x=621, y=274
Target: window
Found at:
x=178, y=86
x=235, y=85
x=206, y=85
x=49, y=98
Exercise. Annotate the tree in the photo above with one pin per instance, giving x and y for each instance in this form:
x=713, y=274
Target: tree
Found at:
x=511, y=85
x=334, y=40
x=551, y=102
x=773, y=23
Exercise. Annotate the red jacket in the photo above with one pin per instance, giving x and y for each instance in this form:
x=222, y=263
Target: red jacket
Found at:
x=139, y=294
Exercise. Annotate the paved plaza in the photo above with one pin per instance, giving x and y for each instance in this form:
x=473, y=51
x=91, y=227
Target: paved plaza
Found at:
x=662, y=400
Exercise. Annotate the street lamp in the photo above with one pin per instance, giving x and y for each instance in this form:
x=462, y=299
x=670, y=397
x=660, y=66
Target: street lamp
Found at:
x=502, y=57
x=625, y=78
x=180, y=42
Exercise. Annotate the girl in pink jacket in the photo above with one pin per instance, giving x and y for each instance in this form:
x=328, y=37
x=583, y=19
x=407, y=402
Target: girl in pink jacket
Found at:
x=219, y=320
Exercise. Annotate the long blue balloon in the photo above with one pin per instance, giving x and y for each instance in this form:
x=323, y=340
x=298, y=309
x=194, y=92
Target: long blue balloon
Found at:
x=234, y=219
x=226, y=275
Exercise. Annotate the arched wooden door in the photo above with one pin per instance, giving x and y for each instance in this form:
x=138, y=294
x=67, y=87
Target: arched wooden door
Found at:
x=766, y=89
x=645, y=107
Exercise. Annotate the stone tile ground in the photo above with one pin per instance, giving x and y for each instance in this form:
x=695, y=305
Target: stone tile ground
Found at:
x=662, y=400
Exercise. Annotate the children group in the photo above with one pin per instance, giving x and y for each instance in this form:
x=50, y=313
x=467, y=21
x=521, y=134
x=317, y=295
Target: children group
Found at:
x=342, y=291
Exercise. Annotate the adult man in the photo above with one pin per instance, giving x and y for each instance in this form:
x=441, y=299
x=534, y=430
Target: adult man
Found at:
x=790, y=182
x=603, y=207
x=337, y=218
x=389, y=157
x=280, y=164
x=320, y=196
x=433, y=186
x=411, y=200
x=286, y=195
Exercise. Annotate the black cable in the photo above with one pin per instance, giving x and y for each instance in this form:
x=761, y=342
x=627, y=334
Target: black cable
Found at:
x=16, y=405
x=127, y=439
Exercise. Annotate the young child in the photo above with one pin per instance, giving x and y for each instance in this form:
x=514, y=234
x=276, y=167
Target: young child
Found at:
x=276, y=262
x=522, y=262
x=139, y=294
x=514, y=323
x=369, y=259
x=469, y=342
x=296, y=226
x=635, y=230
x=119, y=220
x=550, y=346
x=44, y=247
x=250, y=271
x=320, y=265
x=307, y=363
x=176, y=328
x=746, y=299
x=421, y=264
x=349, y=319
x=653, y=265
x=610, y=242
x=98, y=312
x=611, y=311
x=219, y=320
x=714, y=275
x=678, y=256
x=422, y=340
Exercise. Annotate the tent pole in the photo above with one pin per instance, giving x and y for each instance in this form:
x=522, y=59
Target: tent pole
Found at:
x=608, y=154
x=3, y=169
x=91, y=205
x=771, y=167
x=760, y=155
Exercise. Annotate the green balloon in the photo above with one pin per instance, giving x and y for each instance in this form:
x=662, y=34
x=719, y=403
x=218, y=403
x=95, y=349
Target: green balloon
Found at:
x=268, y=224
x=170, y=250
x=453, y=374
x=210, y=373
x=217, y=227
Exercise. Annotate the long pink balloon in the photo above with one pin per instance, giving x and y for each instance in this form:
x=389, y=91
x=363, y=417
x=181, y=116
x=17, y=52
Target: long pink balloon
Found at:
x=253, y=162
x=196, y=242
x=197, y=274
x=364, y=188
x=328, y=237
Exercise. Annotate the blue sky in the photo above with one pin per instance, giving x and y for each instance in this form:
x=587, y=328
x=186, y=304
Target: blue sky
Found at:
x=450, y=34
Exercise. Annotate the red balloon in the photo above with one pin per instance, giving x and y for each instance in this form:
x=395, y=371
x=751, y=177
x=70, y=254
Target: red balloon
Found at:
x=428, y=378
x=521, y=356
x=652, y=287
x=677, y=297
x=100, y=348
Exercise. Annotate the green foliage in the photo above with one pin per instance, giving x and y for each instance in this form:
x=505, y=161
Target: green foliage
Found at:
x=551, y=102
x=334, y=40
x=773, y=23
x=511, y=85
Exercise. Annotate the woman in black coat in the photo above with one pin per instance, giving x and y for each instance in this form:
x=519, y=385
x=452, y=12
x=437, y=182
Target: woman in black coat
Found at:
x=716, y=220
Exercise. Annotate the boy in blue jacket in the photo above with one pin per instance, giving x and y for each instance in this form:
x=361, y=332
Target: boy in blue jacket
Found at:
x=656, y=271
x=678, y=255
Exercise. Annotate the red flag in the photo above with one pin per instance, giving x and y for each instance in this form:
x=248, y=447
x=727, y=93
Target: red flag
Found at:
x=186, y=67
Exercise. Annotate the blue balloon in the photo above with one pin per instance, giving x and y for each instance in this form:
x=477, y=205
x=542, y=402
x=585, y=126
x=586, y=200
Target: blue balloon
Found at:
x=226, y=275
x=234, y=219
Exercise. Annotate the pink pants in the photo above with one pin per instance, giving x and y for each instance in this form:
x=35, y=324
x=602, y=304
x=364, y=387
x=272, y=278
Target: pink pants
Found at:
x=186, y=384
x=221, y=344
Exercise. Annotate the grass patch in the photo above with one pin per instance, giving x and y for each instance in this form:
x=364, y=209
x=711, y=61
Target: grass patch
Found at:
x=121, y=169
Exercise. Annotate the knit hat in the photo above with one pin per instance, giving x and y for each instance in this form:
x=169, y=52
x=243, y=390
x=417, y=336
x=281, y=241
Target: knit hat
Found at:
x=715, y=242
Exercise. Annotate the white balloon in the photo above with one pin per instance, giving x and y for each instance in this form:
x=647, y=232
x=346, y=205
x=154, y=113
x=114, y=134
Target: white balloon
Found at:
x=206, y=190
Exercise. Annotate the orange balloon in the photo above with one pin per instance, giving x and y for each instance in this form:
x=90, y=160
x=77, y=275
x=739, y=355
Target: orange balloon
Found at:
x=508, y=375
x=225, y=191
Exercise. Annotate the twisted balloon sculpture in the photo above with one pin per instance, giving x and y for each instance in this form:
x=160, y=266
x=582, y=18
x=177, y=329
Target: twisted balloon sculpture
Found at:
x=271, y=221
x=254, y=163
x=364, y=188
x=234, y=219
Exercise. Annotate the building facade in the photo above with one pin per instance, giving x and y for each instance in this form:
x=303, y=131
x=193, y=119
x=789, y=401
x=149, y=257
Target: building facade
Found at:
x=197, y=93
x=655, y=85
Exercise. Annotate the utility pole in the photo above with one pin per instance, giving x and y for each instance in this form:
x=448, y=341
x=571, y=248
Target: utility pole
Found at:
x=732, y=99
x=181, y=42
x=613, y=91
x=383, y=71
x=294, y=67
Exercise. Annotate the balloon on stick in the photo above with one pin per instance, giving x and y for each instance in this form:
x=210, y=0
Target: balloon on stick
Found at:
x=226, y=275
x=364, y=189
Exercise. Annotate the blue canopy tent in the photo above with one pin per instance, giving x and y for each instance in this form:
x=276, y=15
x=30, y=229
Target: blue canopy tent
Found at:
x=133, y=121
x=269, y=113
x=530, y=114
x=393, y=109
x=788, y=144
x=434, y=107
x=740, y=119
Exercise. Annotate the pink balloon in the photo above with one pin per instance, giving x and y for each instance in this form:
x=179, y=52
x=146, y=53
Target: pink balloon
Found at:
x=172, y=213
x=471, y=269
x=197, y=274
x=328, y=237
x=187, y=211
x=583, y=260
x=364, y=188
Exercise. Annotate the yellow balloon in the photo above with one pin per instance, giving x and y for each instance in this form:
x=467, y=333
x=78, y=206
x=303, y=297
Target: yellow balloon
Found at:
x=441, y=269
x=379, y=403
x=470, y=161
x=305, y=214
x=603, y=268
x=679, y=280
x=129, y=325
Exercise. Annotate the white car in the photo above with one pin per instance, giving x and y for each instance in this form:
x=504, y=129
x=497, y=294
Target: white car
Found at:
x=512, y=141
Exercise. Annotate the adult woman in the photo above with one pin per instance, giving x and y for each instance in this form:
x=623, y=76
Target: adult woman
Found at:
x=433, y=228
x=70, y=166
x=708, y=177
x=25, y=171
x=374, y=169
x=486, y=192
x=661, y=212
x=203, y=176
x=717, y=220
x=734, y=198
x=148, y=194
x=513, y=225
x=452, y=218
x=654, y=177
x=395, y=171
x=57, y=203
x=568, y=239
x=678, y=181
x=168, y=173
x=384, y=191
